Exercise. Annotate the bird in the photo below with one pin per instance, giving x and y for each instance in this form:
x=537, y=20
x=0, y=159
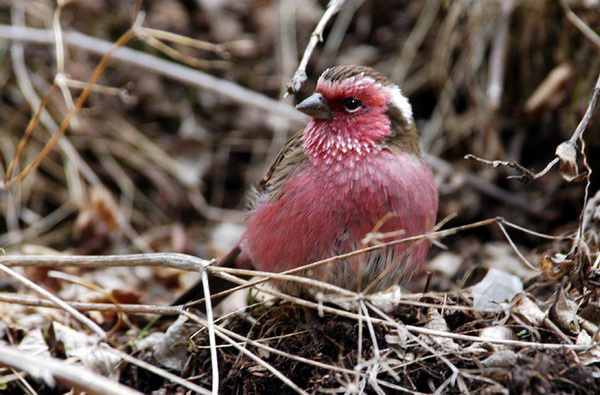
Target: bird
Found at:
x=356, y=168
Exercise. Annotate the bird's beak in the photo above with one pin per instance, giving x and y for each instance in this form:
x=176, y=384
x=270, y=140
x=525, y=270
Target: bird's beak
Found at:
x=316, y=106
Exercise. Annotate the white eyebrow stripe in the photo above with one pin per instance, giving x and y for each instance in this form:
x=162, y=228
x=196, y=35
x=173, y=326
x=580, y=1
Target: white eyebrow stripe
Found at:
x=400, y=102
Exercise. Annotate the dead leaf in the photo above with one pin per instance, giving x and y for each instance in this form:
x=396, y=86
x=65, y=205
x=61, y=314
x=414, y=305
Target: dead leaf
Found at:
x=567, y=154
x=498, y=333
x=592, y=355
x=83, y=346
x=96, y=222
x=500, y=359
x=436, y=322
x=528, y=310
x=169, y=348
x=126, y=295
x=446, y=263
x=564, y=312
x=554, y=267
x=34, y=343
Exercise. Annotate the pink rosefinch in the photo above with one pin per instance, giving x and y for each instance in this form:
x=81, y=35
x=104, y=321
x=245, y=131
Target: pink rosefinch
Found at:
x=354, y=169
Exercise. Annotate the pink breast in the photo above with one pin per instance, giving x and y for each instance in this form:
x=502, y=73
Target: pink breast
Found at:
x=327, y=211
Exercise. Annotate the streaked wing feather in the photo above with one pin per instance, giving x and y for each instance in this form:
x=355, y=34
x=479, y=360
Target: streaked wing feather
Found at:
x=289, y=159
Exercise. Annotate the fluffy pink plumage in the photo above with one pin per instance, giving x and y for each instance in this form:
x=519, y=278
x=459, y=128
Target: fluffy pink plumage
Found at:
x=356, y=166
x=350, y=181
x=320, y=215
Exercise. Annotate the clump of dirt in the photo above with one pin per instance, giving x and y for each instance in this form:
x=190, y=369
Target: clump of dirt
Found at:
x=335, y=342
x=554, y=372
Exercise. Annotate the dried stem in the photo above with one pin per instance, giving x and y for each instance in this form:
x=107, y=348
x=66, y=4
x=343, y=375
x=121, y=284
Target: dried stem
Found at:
x=316, y=37
x=211, y=335
x=67, y=120
x=579, y=24
x=52, y=371
x=163, y=67
x=57, y=301
x=81, y=306
x=526, y=174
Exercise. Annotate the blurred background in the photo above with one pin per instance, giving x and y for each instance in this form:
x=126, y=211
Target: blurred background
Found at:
x=155, y=163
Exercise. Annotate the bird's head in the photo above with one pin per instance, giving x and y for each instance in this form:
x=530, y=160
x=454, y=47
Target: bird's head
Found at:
x=356, y=111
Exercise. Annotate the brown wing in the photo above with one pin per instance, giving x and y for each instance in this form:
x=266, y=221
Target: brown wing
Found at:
x=289, y=159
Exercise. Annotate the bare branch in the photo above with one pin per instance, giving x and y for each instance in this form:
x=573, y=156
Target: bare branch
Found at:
x=163, y=67
x=52, y=371
x=161, y=259
x=316, y=37
x=81, y=306
x=579, y=24
x=526, y=174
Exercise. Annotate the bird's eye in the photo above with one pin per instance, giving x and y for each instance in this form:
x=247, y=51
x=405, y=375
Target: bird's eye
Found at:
x=352, y=104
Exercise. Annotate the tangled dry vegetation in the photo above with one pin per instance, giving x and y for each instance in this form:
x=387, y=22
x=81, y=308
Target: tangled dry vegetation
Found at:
x=150, y=149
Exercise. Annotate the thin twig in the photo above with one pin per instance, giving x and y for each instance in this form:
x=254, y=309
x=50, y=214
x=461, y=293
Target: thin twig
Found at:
x=57, y=301
x=81, y=306
x=60, y=78
x=163, y=67
x=588, y=182
x=456, y=373
x=192, y=263
x=411, y=328
x=68, y=118
x=526, y=174
x=28, y=132
x=52, y=371
x=316, y=37
x=515, y=249
x=160, y=259
x=487, y=187
x=75, y=164
x=211, y=335
x=337, y=33
x=588, y=114
x=178, y=55
x=218, y=49
x=579, y=24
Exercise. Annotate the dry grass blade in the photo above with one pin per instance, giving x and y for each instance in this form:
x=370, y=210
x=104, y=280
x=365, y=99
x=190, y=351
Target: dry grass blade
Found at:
x=69, y=117
x=52, y=371
x=81, y=306
x=27, y=135
x=581, y=25
x=169, y=69
x=160, y=158
x=155, y=43
x=211, y=335
x=178, y=38
x=58, y=302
